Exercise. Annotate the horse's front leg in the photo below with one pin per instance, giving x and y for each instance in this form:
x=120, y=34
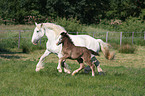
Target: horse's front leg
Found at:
x=40, y=64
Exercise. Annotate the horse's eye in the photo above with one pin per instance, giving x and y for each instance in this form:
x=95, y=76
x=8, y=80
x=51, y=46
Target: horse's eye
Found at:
x=37, y=31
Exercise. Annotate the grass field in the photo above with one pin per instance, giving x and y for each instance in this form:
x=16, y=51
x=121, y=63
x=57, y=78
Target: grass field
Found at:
x=124, y=76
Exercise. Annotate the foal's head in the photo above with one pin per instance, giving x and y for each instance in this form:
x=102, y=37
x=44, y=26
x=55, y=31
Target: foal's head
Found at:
x=64, y=38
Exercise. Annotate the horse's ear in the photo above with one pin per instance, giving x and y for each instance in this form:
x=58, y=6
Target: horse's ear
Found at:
x=35, y=23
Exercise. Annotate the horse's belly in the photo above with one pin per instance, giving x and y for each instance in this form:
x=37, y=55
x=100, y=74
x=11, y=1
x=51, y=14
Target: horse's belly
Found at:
x=76, y=55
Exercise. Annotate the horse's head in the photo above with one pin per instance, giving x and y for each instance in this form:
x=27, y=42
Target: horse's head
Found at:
x=38, y=33
x=61, y=38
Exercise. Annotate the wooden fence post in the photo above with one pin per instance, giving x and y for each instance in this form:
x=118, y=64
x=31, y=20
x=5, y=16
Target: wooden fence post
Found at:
x=77, y=33
x=19, y=39
x=120, y=38
x=132, y=36
x=106, y=36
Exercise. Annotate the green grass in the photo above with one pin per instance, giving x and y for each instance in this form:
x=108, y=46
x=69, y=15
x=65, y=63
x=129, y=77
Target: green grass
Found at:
x=19, y=78
x=124, y=76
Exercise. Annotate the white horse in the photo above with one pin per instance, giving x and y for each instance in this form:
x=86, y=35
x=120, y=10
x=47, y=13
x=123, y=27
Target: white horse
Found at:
x=53, y=31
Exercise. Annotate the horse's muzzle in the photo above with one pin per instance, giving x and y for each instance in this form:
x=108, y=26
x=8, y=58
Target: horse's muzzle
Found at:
x=35, y=43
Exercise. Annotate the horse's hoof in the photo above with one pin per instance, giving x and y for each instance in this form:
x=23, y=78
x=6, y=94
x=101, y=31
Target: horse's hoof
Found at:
x=38, y=69
x=101, y=73
x=87, y=69
x=67, y=71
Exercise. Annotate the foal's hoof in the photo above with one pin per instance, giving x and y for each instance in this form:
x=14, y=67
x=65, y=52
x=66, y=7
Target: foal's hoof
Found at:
x=60, y=70
x=101, y=73
x=73, y=73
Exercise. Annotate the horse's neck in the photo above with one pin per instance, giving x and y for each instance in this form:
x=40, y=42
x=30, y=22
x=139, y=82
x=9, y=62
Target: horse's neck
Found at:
x=50, y=35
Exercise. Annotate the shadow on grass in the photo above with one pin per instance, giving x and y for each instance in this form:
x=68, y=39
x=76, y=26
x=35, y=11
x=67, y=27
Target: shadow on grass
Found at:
x=9, y=56
x=4, y=53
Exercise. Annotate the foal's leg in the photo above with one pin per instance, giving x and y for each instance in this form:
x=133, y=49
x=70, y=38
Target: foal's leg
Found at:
x=63, y=64
x=81, y=66
x=66, y=67
x=40, y=63
x=92, y=67
x=97, y=64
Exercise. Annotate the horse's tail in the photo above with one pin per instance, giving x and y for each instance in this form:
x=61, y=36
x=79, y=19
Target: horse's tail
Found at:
x=94, y=53
x=105, y=49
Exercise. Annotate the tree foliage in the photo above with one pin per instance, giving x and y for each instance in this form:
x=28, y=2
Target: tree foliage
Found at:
x=87, y=11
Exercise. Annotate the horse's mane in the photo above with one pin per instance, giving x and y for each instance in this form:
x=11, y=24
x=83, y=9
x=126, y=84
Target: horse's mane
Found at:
x=56, y=28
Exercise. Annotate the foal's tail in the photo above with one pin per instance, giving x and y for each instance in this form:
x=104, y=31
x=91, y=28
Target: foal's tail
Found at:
x=94, y=53
x=105, y=49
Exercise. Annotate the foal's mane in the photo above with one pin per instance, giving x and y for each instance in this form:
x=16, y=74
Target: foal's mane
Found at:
x=67, y=36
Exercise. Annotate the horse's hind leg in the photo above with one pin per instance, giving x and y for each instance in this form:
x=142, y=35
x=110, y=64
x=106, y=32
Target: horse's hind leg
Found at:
x=81, y=66
x=99, y=68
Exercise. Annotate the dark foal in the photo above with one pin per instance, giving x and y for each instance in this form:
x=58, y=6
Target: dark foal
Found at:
x=70, y=51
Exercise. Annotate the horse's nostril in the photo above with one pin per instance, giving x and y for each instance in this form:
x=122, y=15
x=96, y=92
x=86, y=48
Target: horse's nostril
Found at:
x=35, y=43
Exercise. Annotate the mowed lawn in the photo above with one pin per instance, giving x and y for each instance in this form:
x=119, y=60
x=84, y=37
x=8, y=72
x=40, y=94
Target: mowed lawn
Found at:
x=124, y=76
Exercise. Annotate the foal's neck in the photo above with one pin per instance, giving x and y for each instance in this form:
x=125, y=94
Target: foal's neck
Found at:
x=68, y=42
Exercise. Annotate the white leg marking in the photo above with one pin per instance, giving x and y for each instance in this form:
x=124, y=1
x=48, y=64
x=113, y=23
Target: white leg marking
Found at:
x=99, y=68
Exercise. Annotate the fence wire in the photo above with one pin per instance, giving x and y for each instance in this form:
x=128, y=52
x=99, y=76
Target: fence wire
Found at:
x=20, y=35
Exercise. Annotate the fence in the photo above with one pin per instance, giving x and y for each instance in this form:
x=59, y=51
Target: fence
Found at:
x=19, y=34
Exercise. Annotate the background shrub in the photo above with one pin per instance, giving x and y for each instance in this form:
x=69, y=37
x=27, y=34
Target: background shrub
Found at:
x=70, y=25
x=126, y=48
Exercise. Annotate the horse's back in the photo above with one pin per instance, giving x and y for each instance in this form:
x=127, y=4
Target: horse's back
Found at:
x=86, y=41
